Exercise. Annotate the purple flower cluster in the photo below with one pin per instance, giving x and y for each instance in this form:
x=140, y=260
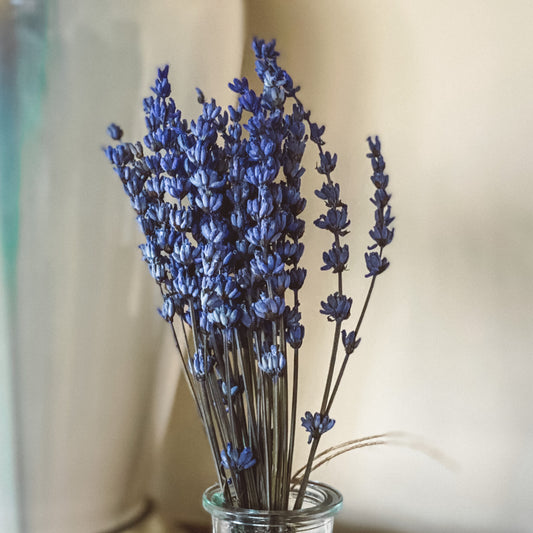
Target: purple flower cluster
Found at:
x=381, y=234
x=220, y=211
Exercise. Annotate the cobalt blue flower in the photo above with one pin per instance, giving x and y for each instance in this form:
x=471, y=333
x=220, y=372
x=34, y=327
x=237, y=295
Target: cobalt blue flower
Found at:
x=375, y=147
x=349, y=342
x=264, y=50
x=267, y=268
x=139, y=203
x=330, y=193
x=290, y=252
x=335, y=220
x=115, y=132
x=182, y=219
x=185, y=284
x=336, y=258
x=239, y=85
x=337, y=307
x=375, y=264
x=200, y=365
x=214, y=231
x=146, y=225
x=185, y=253
x=162, y=86
x=225, y=316
x=272, y=362
x=200, y=96
x=168, y=310
x=296, y=229
x=237, y=461
x=120, y=155
x=269, y=308
x=316, y=133
x=316, y=424
x=327, y=163
x=250, y=101
x=262, y=206
x=381, y=235
x=280, y=283
x=295, y=336
x=268, y=230
x=151, y=252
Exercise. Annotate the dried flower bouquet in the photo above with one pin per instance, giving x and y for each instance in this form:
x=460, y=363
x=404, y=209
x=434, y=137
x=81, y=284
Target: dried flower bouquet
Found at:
x=219, y=202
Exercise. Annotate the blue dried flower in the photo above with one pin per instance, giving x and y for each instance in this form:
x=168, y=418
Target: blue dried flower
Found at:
x=381, y=235
x=115, y=132
x=200, y=366
x=237, y=461
x=235, y=389
x=272, y=362
x=168, y=310
x=224, y=316
x=269, y=308
x=280, y=283
x=273, y=265
x=316, y=133
x=250, y=102
x=239, y=85
x=290, y=252
x=316, y=424
x=295, y=336
x=152, y=255
x=349, y=342
x=337, y=307
x=298, y=276
x=335, y=220
x=265, y=50
x=336, y=258
x=185, y=284
x=330, y=193
x=119, y=156
x=375, y=264
x=162, y=86
x=201, y=97
x=268, y=230
x=327, y=163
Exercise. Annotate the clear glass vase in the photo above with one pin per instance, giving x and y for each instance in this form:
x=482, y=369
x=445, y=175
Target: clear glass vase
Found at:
x=321, y=503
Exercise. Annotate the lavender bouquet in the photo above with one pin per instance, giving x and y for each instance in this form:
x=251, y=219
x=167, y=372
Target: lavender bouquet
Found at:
x=218, y=200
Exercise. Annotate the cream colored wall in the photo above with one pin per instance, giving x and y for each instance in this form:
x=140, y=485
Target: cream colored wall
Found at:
x=446, y=351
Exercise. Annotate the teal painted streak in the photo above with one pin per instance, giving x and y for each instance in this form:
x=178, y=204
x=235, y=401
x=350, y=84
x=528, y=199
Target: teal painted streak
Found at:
x=9, y=157
x=10, y=518
x=22, y=82
x=9, y=508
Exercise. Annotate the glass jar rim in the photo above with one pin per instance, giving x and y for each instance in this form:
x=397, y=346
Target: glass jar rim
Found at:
x=325, y=503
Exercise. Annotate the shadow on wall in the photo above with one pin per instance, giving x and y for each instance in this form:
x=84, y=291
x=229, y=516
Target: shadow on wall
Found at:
x=185, y=466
